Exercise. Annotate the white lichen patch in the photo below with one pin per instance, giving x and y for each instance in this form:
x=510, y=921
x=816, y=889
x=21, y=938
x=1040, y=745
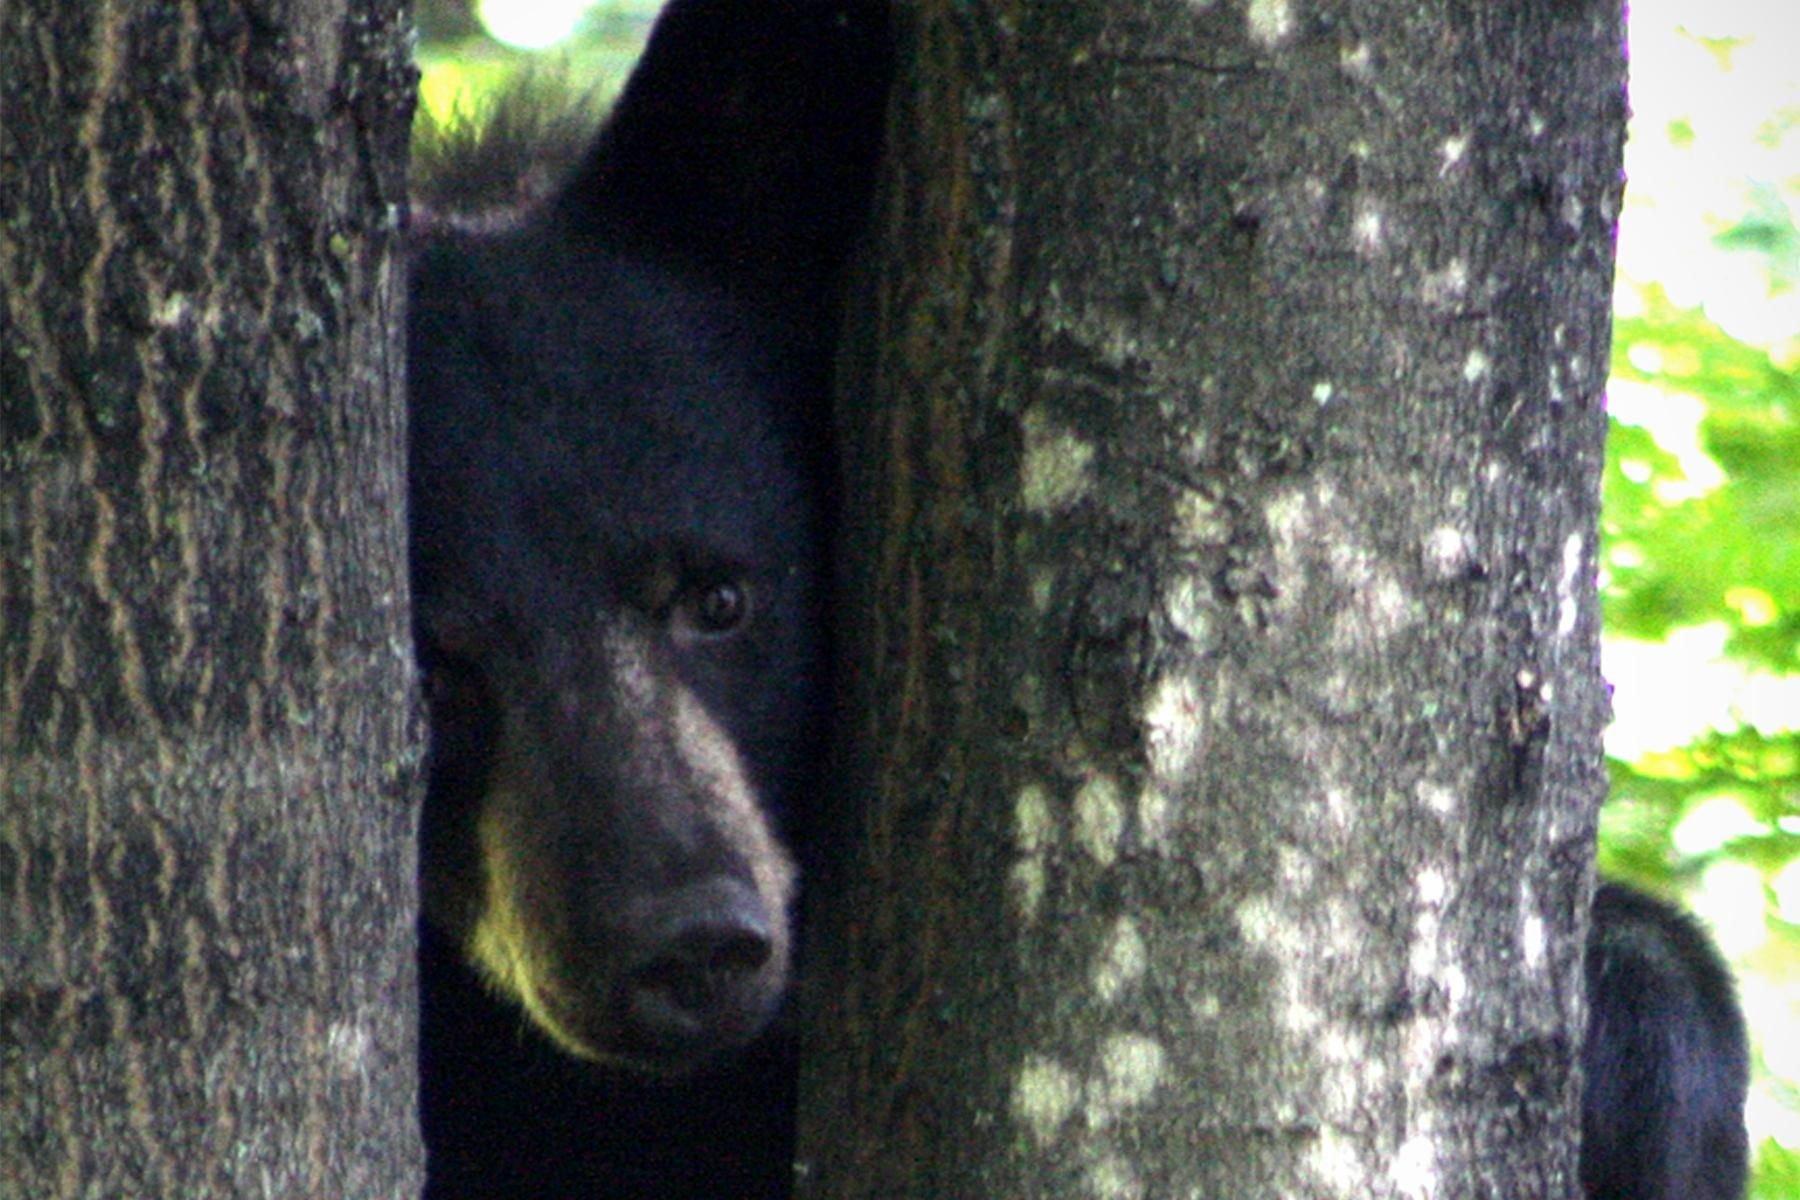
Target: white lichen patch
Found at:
x=1099, y=818
x=1338, y=808
x=350, y=1047
x=1173, y=727
x=1025, y=883
x=1447, y=552
x=1533, y=941
x=1110, y=1177
x=1429, y=888
x=1334, y=1161
x=1568, y=603
x=1057, y=469
x=1446, y=288
x=1455, y=985
x=1269, y=21
x=1476, y=366
x=1435, y=796
x=1121, y=961
x=1415, y=1170
x=1295, y=866
x=1288, y=514
x=170, y=312
x=1389, y=605
x=1257, y=922
x=1572, y=212
x=1131, y=1067
x=1033, y=825
x=1199, y=521
x=1044, y=1094
x=1382, y=607
x=1186, y=602
x=1153, y=816
x=1368, y=225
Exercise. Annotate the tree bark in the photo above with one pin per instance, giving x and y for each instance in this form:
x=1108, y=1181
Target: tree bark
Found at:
x=208, y=739
x=1222, y=430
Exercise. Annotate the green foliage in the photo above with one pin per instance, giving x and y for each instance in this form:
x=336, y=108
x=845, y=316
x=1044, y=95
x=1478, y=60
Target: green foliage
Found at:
x=1691, y=540
x=1777, y=1168
x=462, y=68
x=1730, y=554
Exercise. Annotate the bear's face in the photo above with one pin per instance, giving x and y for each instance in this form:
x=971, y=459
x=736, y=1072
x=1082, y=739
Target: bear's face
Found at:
x=617, y=568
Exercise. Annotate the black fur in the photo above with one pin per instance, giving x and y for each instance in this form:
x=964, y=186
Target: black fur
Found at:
x=1666, y=1064
x=618, y=563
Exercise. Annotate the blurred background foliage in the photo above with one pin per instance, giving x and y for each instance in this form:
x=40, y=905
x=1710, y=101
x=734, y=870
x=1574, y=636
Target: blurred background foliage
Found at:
x=1701, y=526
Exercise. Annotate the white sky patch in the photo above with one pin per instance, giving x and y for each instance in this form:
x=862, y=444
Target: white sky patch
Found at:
x=1685, y=190
x=1673, y=420
x=1321, y=392
x=1475, y=367
x=1453, y=149
x=1715, y=693
x=531, y=26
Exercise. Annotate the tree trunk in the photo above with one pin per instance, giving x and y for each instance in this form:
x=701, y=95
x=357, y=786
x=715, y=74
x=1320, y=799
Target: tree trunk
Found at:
x=1222, y=439
x=208, y=744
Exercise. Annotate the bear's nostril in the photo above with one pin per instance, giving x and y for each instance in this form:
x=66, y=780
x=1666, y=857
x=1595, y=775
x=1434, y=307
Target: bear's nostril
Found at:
x=703, y=974
x=696, y=979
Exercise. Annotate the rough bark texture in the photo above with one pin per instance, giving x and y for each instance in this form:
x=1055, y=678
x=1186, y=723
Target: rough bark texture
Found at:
x=1223, y=703
x=207, y=743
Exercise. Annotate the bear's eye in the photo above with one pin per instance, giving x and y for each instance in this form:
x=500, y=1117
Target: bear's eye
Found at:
x=715, y=608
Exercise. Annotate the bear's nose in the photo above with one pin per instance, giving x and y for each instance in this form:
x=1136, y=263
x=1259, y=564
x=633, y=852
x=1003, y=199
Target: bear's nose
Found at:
x=702, y=977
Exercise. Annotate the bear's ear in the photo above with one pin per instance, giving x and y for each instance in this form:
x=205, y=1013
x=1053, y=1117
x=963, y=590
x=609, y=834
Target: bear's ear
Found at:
x=745, y=143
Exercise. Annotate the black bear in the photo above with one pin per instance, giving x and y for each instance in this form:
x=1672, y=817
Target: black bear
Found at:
x=620, y=498
x=618, y=561
x=1665, y=1059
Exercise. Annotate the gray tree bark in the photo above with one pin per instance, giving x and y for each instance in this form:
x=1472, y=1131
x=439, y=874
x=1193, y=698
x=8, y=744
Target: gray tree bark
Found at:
x=208, y=742
x=1222, y=436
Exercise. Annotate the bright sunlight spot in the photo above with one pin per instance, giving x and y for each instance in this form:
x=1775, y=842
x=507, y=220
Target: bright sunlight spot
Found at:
x=531, y=25
x=1708, y=77
x=1674, y=421
x=1715, y=693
